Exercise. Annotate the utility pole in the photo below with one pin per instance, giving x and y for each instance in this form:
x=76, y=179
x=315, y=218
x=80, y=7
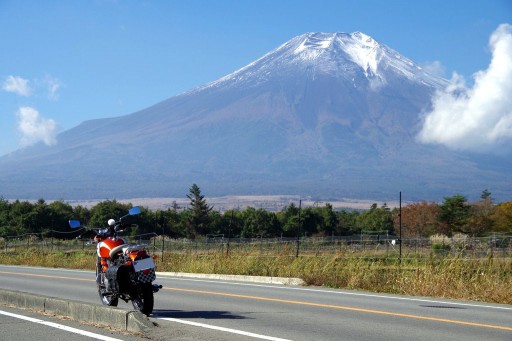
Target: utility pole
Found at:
x=162, y=220
x=298, y=230
x=400, y=223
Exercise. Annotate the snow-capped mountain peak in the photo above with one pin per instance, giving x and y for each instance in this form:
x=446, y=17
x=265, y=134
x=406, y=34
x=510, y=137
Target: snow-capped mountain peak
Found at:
x=337, y=54
x=314, y=43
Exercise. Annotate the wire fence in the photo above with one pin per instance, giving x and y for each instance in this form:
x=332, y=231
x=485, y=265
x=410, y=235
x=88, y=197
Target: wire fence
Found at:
x=372, y=245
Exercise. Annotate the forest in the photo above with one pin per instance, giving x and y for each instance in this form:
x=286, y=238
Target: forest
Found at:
x=199, y=220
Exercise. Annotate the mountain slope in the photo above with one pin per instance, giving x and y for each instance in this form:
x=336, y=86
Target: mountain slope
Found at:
x=323, y=115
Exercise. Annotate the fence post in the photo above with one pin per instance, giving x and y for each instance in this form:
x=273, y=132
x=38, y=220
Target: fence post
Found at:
x=163, y=246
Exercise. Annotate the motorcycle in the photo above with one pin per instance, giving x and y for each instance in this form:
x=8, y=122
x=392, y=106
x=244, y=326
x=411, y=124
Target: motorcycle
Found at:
x=123, y=271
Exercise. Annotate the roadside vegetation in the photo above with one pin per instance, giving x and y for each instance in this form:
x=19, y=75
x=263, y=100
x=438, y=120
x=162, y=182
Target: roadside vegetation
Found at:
x=487, y=279
x=443, y=269
x=455, y=215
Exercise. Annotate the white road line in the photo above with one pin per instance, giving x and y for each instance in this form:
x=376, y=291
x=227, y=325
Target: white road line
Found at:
x=60, y=326
x=228, y=330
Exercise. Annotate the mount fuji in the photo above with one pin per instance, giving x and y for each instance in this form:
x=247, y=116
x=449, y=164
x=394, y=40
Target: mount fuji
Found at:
x=325, y=115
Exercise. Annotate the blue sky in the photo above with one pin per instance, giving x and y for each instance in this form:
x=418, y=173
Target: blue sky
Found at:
x=65, y=62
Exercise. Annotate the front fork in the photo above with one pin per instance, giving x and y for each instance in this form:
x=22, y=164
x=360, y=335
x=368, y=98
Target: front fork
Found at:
x=99, y=272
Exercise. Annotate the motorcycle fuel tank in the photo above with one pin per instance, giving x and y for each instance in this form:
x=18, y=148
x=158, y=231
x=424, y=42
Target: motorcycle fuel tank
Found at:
x=108, y=244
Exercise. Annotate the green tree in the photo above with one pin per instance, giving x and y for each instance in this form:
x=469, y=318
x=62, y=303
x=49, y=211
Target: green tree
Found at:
x=59, y=215
x=105, y=210
x=215, y=222
x=6, y=228
x=289, y=219
x=376, y=219
x=232, y=223
x=329, y=220
x=311, y=220
x=347, y=223
x=147, y=222
x=259, y=223
x=454, y=214
x=82, y=213
x=22, y=217
x=198, y=214
x=486, y=195
x=174, y=224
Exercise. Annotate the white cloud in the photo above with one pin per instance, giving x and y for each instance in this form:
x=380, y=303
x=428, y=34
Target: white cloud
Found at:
x=35, y=128
x=53, y=85
x=478, y=118
x=16, y=85
x=20, y=86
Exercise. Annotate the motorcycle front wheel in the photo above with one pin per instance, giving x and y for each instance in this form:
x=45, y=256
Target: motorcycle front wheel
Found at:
x=106, y=299
x=143, y=301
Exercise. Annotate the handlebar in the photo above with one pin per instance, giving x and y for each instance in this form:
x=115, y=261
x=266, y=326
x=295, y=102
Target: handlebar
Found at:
x=86, y=234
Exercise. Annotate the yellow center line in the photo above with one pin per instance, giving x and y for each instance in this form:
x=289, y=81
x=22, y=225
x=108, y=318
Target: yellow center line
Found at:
x=47, y=276
x=311, y=304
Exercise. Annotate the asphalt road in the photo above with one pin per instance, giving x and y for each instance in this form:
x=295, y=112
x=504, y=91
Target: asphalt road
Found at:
x=193, y=309
x=23, y=324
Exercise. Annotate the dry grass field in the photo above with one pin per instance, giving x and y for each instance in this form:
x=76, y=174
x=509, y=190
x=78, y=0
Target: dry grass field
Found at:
x=487, y=279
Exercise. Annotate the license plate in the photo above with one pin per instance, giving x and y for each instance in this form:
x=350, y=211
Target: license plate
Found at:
x=143, y=264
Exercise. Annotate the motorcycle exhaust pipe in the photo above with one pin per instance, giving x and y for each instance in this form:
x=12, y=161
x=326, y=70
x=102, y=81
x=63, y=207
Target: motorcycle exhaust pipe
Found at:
x=156, y=287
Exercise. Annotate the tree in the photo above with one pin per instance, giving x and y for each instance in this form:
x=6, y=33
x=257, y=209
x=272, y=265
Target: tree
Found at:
x=5, y=218
x=480, y=221
x=22, y=217
x=486, y=195
x=329, y=220
x=60, y=213
x=41, y=216
x=258, y=223
x=198, y=217
x=289, y=220
x=82, y=213
x=232, y=223
x=376, y=219
x=174, y=224
x=105, y=210
x=502, y=218
x=418, y=220
x=347, y=223
x=311, y=220
x=454, y=214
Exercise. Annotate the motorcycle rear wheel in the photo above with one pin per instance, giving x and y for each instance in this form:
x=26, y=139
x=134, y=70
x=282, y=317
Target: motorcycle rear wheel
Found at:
x=144, y=300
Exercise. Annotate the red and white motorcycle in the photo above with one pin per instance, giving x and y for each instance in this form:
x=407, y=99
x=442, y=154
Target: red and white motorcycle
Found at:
x=123, y=271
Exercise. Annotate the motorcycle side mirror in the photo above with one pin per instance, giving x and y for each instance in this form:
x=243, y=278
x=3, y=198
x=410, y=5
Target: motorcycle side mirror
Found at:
x=74, y=224
x=134, y=211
